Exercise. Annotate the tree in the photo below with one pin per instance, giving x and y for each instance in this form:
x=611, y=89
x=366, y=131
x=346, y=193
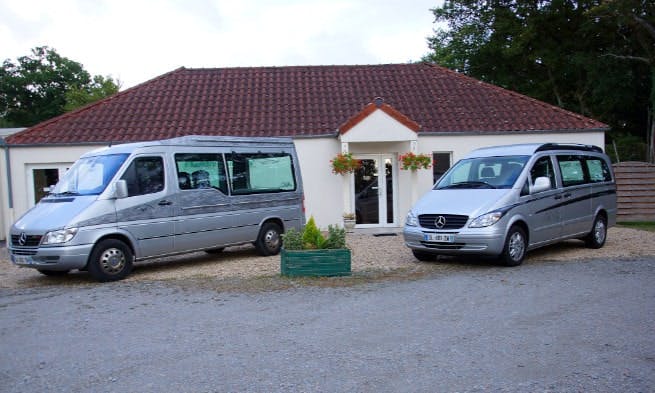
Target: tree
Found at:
x=99, y=88
x=44, y=85
x=556, y=51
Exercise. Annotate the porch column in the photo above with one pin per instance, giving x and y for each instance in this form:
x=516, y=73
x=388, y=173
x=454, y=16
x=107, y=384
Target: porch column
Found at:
x=413, y=180
x=346, y=179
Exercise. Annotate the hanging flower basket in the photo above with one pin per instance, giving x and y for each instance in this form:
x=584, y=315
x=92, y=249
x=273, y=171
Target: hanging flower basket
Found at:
x=412, y=162
x=344, y=163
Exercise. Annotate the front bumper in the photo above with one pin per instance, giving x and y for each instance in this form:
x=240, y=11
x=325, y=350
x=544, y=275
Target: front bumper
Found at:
x=484, y=241
x=51, y=258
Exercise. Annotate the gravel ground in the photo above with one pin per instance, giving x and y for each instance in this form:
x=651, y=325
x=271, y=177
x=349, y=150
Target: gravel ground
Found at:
x=372, y=256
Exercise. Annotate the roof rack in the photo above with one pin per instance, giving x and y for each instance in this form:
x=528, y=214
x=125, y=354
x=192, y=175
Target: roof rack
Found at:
x=569, y=146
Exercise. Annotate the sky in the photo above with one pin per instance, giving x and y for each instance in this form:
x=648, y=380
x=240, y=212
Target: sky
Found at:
x=137, y=40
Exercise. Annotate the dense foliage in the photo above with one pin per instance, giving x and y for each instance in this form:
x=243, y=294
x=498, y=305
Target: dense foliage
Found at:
x=44, y=85
x=592, y=57
x=311, y=238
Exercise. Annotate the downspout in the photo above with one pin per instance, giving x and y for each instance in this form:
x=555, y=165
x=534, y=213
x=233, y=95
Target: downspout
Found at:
x=10, y=193
x=4, y=220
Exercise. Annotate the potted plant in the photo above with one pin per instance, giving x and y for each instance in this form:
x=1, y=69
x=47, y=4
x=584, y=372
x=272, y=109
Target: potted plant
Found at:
x=349, y=221
x=344, y=163
x=412, y=162
x=309, y=253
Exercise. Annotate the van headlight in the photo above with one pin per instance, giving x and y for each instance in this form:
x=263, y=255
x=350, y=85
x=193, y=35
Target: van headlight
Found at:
x=486, y=220
x=411, y=220
x=58, y=237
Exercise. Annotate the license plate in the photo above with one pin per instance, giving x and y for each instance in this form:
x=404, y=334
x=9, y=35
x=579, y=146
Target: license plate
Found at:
x=21, y=259
x=439, y=237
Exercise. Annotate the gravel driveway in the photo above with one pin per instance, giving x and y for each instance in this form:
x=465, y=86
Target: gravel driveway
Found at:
x=372, y=256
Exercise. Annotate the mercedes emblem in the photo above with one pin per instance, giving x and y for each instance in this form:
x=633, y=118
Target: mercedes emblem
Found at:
x=22, y=239
x=440, y=222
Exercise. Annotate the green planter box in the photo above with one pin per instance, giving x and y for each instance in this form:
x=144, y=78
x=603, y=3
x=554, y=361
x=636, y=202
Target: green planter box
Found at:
x=317, y=263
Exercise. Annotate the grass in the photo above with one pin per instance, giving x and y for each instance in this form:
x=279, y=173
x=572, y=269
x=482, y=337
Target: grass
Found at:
x=643, y=225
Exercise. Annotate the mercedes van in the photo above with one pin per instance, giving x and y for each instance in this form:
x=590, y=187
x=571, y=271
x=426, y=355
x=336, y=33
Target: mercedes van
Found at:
x=136, y=201
x=506, y=200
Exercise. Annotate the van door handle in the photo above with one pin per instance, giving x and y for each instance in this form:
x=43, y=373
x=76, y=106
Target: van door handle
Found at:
x=558, y=197
x=165, y=203
x=568, y=194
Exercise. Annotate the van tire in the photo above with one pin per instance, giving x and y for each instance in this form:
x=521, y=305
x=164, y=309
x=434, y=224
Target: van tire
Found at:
x=424, y=256
x=596, y=238
x=110, y=260
x=516, y=245
x=269, y=240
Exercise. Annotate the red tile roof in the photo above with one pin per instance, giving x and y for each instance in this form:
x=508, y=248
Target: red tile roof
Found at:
x=300, y=101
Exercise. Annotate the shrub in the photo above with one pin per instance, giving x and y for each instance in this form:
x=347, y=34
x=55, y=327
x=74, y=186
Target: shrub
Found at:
x=311, y=238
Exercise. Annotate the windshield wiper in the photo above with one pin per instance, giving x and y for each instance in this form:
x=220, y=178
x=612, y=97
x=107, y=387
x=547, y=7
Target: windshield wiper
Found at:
x=65, y=193
x=468, y=184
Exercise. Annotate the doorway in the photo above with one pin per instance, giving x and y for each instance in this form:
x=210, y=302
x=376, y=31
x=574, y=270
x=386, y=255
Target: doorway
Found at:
x=374, y=196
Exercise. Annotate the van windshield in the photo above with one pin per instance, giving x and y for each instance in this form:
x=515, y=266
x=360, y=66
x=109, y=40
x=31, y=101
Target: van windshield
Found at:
x=89, y=175
x=483, y=172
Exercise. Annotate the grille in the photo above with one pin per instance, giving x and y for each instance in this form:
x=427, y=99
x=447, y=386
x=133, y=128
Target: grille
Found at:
x=452, y=221
x=444, y=246
x=23, y=252
x=30, y=241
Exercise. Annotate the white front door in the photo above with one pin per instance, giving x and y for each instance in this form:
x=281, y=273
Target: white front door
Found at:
x=374, y=191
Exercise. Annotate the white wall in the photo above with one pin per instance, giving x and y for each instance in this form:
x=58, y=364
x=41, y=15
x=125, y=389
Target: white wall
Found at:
x=323, y=189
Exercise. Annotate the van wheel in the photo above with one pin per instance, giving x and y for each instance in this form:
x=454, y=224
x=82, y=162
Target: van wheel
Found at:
x=111, y=260
x=269, y=240
x=53, y=273
x=596, y=238
x=424, y=256
x=515, y=247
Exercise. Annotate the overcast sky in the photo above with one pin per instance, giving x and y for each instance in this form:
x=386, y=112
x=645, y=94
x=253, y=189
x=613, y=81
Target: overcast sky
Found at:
x=136, y=40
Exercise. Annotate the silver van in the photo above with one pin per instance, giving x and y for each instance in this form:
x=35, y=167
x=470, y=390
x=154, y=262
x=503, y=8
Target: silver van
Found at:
x=135, y=201
x=505, y=200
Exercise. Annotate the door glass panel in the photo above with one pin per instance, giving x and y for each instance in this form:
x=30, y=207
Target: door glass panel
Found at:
x=367, y=207
x=388, y=170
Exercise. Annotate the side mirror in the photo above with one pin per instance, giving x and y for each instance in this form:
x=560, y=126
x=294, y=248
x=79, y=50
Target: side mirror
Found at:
x=120, y=189
x=540, y=184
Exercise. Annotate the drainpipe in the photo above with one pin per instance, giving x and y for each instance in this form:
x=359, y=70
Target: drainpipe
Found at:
x=10, y=193
x=10, y=198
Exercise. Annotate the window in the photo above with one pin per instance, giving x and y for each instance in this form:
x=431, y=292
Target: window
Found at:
x=572, y=171
x=90, y=175
x=197, y=171
x=598, y=170
x=252, y=173
x=440, y=164
x=145, y=175
x=542, y=168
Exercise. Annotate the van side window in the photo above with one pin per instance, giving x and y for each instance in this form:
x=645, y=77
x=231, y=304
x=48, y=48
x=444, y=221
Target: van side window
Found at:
x=572, y=170
x=543, y=168
x=598, y=170
x=145, y=175
x=252, y=173
x=200, y=170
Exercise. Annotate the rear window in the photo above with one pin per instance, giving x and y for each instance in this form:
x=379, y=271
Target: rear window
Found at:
x=579, y=169
x=254, y=173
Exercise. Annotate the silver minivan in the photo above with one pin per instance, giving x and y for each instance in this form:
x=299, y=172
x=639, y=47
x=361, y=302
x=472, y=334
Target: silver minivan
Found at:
x=505, y=200
x=131, y=202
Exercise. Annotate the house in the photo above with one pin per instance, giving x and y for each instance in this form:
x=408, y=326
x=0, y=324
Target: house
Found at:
x=374, y=112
